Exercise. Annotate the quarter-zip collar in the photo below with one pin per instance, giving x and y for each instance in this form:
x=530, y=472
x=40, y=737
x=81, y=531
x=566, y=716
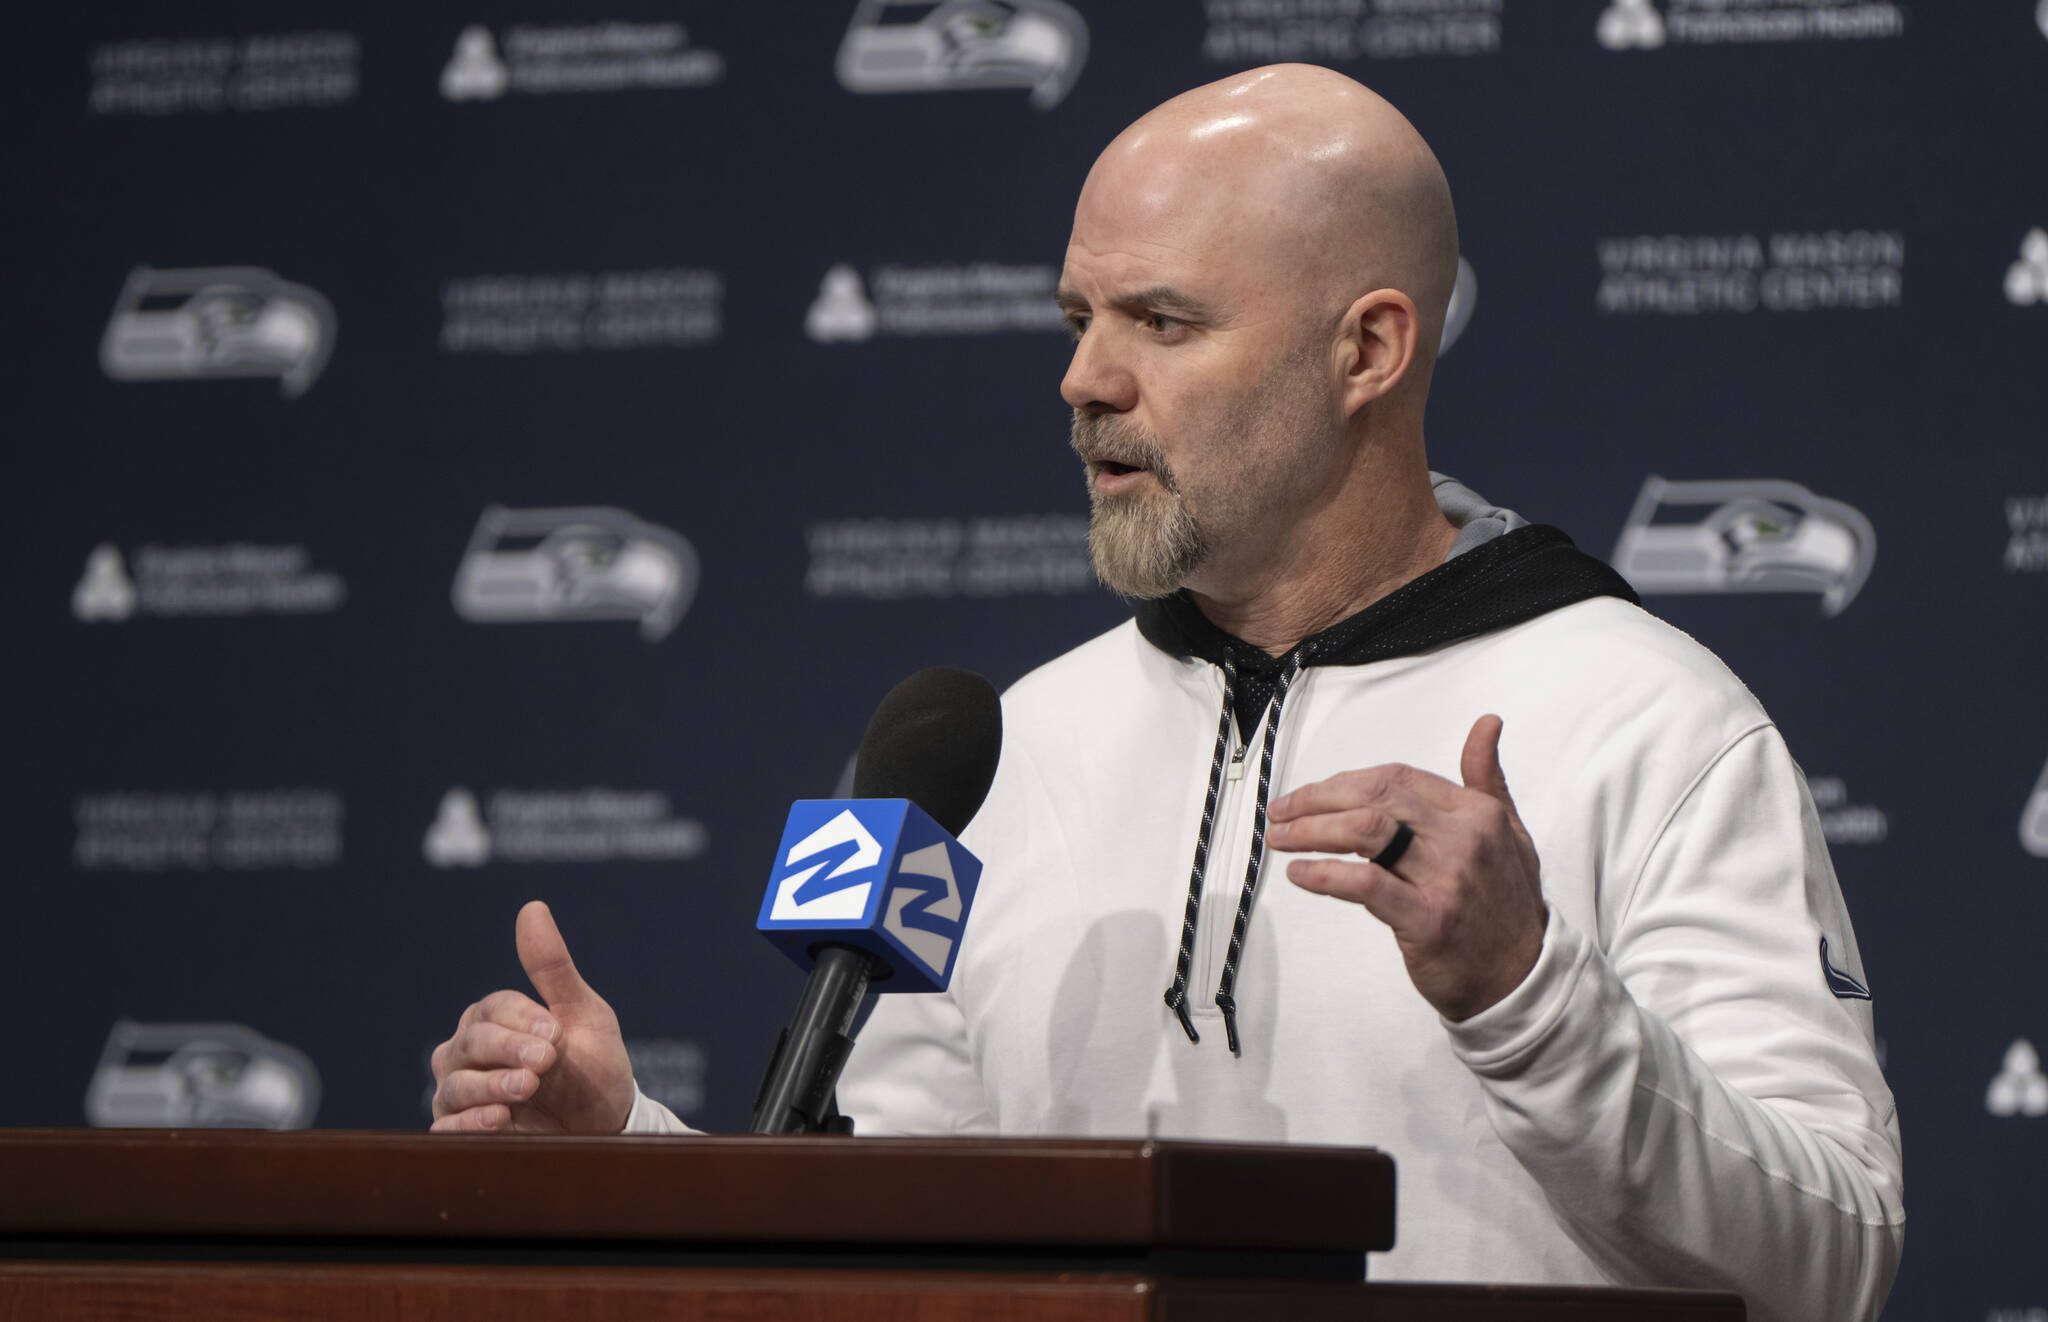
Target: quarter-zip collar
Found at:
x=1502, y=571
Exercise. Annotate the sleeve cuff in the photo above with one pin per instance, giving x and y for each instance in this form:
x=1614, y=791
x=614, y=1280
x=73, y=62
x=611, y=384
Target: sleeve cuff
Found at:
x=651, y=1117
x=1494, y=1040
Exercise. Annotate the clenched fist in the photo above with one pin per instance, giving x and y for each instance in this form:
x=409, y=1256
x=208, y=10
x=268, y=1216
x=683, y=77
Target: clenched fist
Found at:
x=520, y=1066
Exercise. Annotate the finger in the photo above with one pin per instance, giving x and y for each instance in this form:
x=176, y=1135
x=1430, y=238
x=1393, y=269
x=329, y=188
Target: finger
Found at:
x=1479, y=764
x=1348, y=789
x=1413, y=802
x=545, y=957
x=1373, y=787
x=493, y=1046
x=463, y=1089
x=1364, y=831
x=476, y=1120
x=1382, y=894
x=518, y=1012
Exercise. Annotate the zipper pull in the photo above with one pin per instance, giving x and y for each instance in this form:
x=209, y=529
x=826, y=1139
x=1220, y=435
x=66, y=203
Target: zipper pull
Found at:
x=1236, y=769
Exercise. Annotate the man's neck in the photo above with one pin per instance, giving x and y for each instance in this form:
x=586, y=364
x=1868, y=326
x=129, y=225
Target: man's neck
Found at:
x=1333, y=571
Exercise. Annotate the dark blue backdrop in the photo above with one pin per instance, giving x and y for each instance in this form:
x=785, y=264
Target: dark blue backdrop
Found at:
x=461, y=455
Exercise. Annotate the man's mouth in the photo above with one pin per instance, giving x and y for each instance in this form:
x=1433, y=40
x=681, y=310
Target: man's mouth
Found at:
x=1121, y=458
x=1113, y=477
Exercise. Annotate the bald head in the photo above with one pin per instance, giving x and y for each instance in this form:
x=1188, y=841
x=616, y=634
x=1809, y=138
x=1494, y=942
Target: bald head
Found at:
x=1305, y=174
x=1256, y=283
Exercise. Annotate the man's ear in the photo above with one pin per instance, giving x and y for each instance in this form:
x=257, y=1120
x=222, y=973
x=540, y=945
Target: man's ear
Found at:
x=1377, y=345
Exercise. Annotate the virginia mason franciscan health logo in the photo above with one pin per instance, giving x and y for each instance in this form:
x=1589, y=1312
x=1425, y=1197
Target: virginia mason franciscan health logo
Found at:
x=2026, y=280
x=1756, y=535
x=2019, y=1088
x=1641, y=25
x=941, y=299
x=592, y=824
x=608, y=56
x=220, y=581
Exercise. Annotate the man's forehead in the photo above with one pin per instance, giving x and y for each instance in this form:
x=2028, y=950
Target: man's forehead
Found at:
x=1120, y=259
x=1164, y=277
x=1154, y=211
x=1172, y=268
x=1154, y=193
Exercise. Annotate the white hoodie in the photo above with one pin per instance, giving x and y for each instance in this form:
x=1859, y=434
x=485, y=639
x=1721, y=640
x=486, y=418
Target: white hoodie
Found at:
x=1680, y=1093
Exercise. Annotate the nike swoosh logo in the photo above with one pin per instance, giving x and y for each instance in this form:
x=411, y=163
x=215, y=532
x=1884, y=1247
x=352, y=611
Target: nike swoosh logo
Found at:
x=1840, y=983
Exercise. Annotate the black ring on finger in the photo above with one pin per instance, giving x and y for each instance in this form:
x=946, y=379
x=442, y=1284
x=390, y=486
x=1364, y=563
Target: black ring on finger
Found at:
x=1404, y=836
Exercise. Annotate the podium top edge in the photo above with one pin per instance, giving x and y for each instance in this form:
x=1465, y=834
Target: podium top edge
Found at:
x=1011, y=1146
x=705, y=1191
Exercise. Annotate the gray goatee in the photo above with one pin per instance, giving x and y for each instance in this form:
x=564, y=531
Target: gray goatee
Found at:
x=1143, y=543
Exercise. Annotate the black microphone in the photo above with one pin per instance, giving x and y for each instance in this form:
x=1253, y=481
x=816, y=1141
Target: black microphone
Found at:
x=876, y=889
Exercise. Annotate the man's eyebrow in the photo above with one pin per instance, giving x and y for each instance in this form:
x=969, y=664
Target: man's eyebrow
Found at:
x=1164, y=298
x=1167, y=299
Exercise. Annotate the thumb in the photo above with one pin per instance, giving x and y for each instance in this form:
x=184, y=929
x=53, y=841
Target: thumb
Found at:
x=545, y=957
x=1480, y=763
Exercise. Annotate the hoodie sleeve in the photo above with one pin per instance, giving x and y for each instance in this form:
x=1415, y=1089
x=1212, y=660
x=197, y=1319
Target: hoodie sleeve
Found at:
x=651, y=1117
x=1699, y=1098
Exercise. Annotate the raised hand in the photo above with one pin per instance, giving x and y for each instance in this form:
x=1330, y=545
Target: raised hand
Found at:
x=1463, y=895
x=520, y=1066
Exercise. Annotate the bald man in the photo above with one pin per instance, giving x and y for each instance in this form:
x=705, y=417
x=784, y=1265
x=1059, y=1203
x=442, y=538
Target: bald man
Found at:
x=1611, y=1023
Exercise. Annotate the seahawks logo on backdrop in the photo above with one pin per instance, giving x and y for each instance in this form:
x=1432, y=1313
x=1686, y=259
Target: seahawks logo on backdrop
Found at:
x=200, y=1076
x=1841, y=983
x=217, y=321
x=2034, y=819
x=1754, y=535
x=955, y=45
x=582, y=563
x=1464, y=297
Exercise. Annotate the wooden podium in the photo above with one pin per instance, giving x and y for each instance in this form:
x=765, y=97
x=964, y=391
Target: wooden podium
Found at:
x=235, y=1227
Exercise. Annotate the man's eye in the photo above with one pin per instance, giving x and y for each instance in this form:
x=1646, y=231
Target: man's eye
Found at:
x=1159, y=323
x=1077, y=326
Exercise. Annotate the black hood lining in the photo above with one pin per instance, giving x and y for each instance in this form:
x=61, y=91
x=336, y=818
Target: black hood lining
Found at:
x=1515, y=577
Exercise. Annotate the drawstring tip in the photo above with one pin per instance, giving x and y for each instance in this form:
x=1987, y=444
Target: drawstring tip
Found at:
x=1179, y=1005
x=1228, y=1004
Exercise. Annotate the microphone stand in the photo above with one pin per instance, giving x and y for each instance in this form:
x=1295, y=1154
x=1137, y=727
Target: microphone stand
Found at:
x=798, y=1093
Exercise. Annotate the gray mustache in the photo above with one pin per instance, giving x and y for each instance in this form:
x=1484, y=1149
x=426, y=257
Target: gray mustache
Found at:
x=1099, y=438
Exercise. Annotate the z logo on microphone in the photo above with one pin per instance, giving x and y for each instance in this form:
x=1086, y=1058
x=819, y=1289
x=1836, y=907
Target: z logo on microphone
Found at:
x=925, y=917
x=823, y=878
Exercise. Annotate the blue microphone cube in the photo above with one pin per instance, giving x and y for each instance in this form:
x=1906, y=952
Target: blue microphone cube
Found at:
x=875, y=874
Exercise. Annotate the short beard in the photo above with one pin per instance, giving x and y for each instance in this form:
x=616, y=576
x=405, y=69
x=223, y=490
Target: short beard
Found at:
x=1143, y=544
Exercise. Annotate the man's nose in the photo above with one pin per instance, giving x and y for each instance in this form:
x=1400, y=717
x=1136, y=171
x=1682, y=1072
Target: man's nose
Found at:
x=1095, y=379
